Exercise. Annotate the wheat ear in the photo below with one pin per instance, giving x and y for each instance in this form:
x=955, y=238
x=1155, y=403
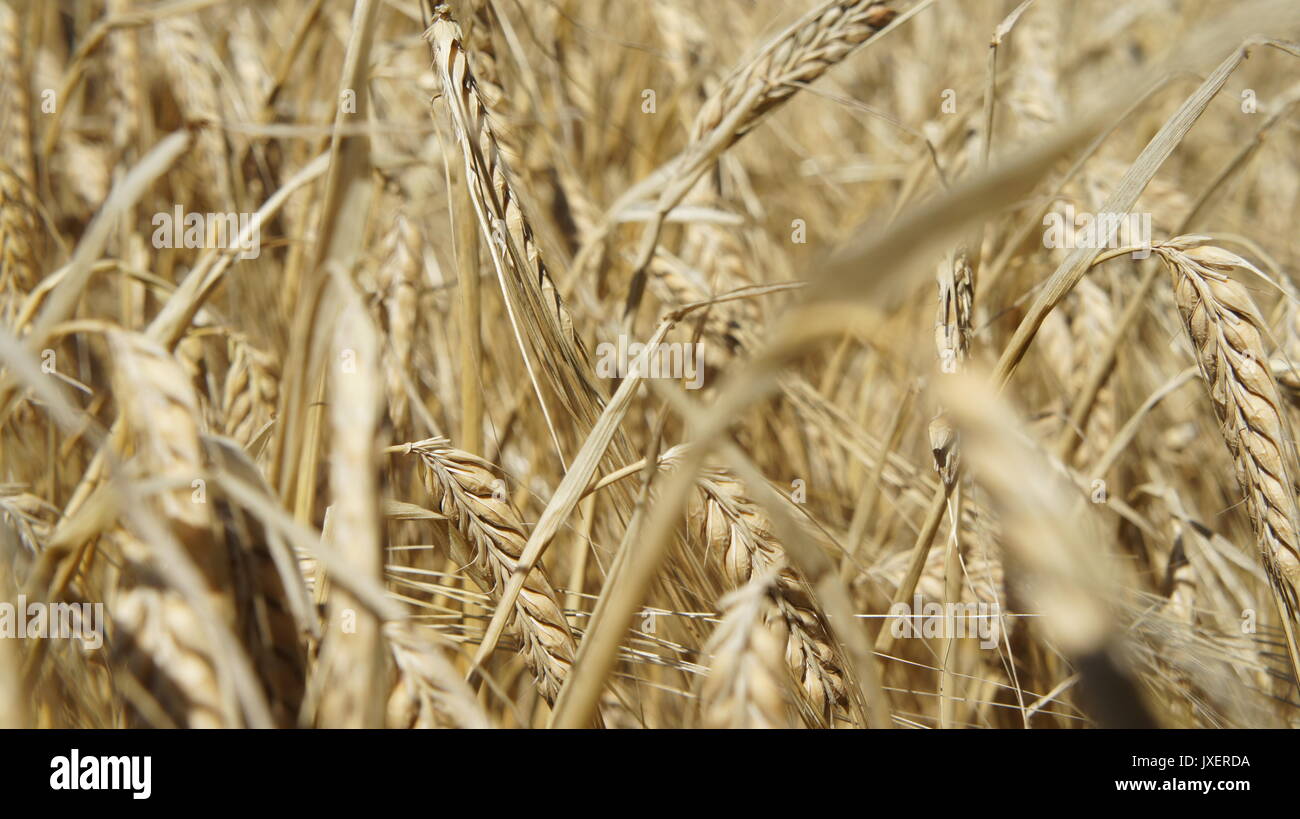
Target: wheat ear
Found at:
x=250, y=393
x=15, y=98
x=541, y=320
x=345, y=691
x=399, y=284
x=489, y=537
x=1227, y=332
x=159, y=637
x=748, y=677
x=20, y=230
x=428, y=693
x=797, y=56
x=952, y=334
x=190, y=62
x=736, y=527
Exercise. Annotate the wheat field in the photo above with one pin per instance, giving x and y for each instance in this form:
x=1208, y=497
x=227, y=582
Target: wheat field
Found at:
x=603, y=363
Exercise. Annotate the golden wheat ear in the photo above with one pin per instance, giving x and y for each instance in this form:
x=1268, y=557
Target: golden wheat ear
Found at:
x=735, y=528
x=1227, y=333
x=748, y=682
x=488, y=537
x=21, y=233
x=162, y=641
x=543, y=329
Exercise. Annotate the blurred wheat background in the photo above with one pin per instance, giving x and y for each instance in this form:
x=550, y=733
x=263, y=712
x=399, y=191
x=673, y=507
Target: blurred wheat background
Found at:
x=356, y=457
